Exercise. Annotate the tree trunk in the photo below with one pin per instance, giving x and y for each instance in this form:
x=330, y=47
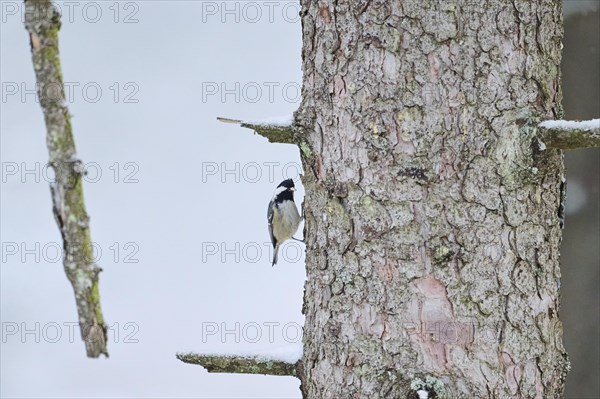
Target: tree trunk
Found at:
x=432, y=214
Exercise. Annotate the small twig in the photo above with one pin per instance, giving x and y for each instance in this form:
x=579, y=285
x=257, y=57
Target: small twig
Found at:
x=42, y=21
x=570, y=135
x=240, y=364
x=274, y=132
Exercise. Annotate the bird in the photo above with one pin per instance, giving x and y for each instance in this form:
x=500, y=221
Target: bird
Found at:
x=283, y=216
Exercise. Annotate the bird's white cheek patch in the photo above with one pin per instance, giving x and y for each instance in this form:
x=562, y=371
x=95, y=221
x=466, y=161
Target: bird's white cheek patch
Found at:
x=278, y=191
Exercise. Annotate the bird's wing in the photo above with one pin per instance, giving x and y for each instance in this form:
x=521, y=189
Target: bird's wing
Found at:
x=270, y=212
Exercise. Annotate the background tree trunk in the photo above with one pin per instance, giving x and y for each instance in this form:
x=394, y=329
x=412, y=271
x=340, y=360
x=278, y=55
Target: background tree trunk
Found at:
x=432, y=215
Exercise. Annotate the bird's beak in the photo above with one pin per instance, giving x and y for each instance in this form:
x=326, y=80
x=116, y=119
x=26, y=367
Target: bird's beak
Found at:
x=292, y=189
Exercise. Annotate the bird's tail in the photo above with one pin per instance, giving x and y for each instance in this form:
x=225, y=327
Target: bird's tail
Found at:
x=275, y=251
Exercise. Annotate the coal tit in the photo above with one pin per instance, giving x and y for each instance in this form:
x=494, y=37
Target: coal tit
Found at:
x=282, y=215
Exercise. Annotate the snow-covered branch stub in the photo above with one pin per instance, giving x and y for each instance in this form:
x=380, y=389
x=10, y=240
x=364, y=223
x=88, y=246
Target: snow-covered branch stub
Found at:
x=268, y=364
x=570, y=135
x=276, y=129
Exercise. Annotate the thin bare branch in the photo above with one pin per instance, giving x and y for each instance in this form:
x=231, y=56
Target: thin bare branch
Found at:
x=42, y=22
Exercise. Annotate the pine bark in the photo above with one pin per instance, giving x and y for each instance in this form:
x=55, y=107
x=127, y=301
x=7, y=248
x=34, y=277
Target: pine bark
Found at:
x=432, y=214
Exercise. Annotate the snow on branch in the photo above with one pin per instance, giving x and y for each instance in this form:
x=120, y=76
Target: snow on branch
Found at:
x=241, y=364
x=570, y=135
x=66, y=189
x=276, y=130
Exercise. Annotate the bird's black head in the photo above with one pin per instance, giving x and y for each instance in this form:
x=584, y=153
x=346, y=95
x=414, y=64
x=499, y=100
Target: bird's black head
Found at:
x=289, y=183
x=285, y=191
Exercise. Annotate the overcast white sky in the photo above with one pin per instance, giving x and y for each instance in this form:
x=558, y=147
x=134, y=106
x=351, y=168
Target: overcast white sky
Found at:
x=158, y=192
x=177, y=200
